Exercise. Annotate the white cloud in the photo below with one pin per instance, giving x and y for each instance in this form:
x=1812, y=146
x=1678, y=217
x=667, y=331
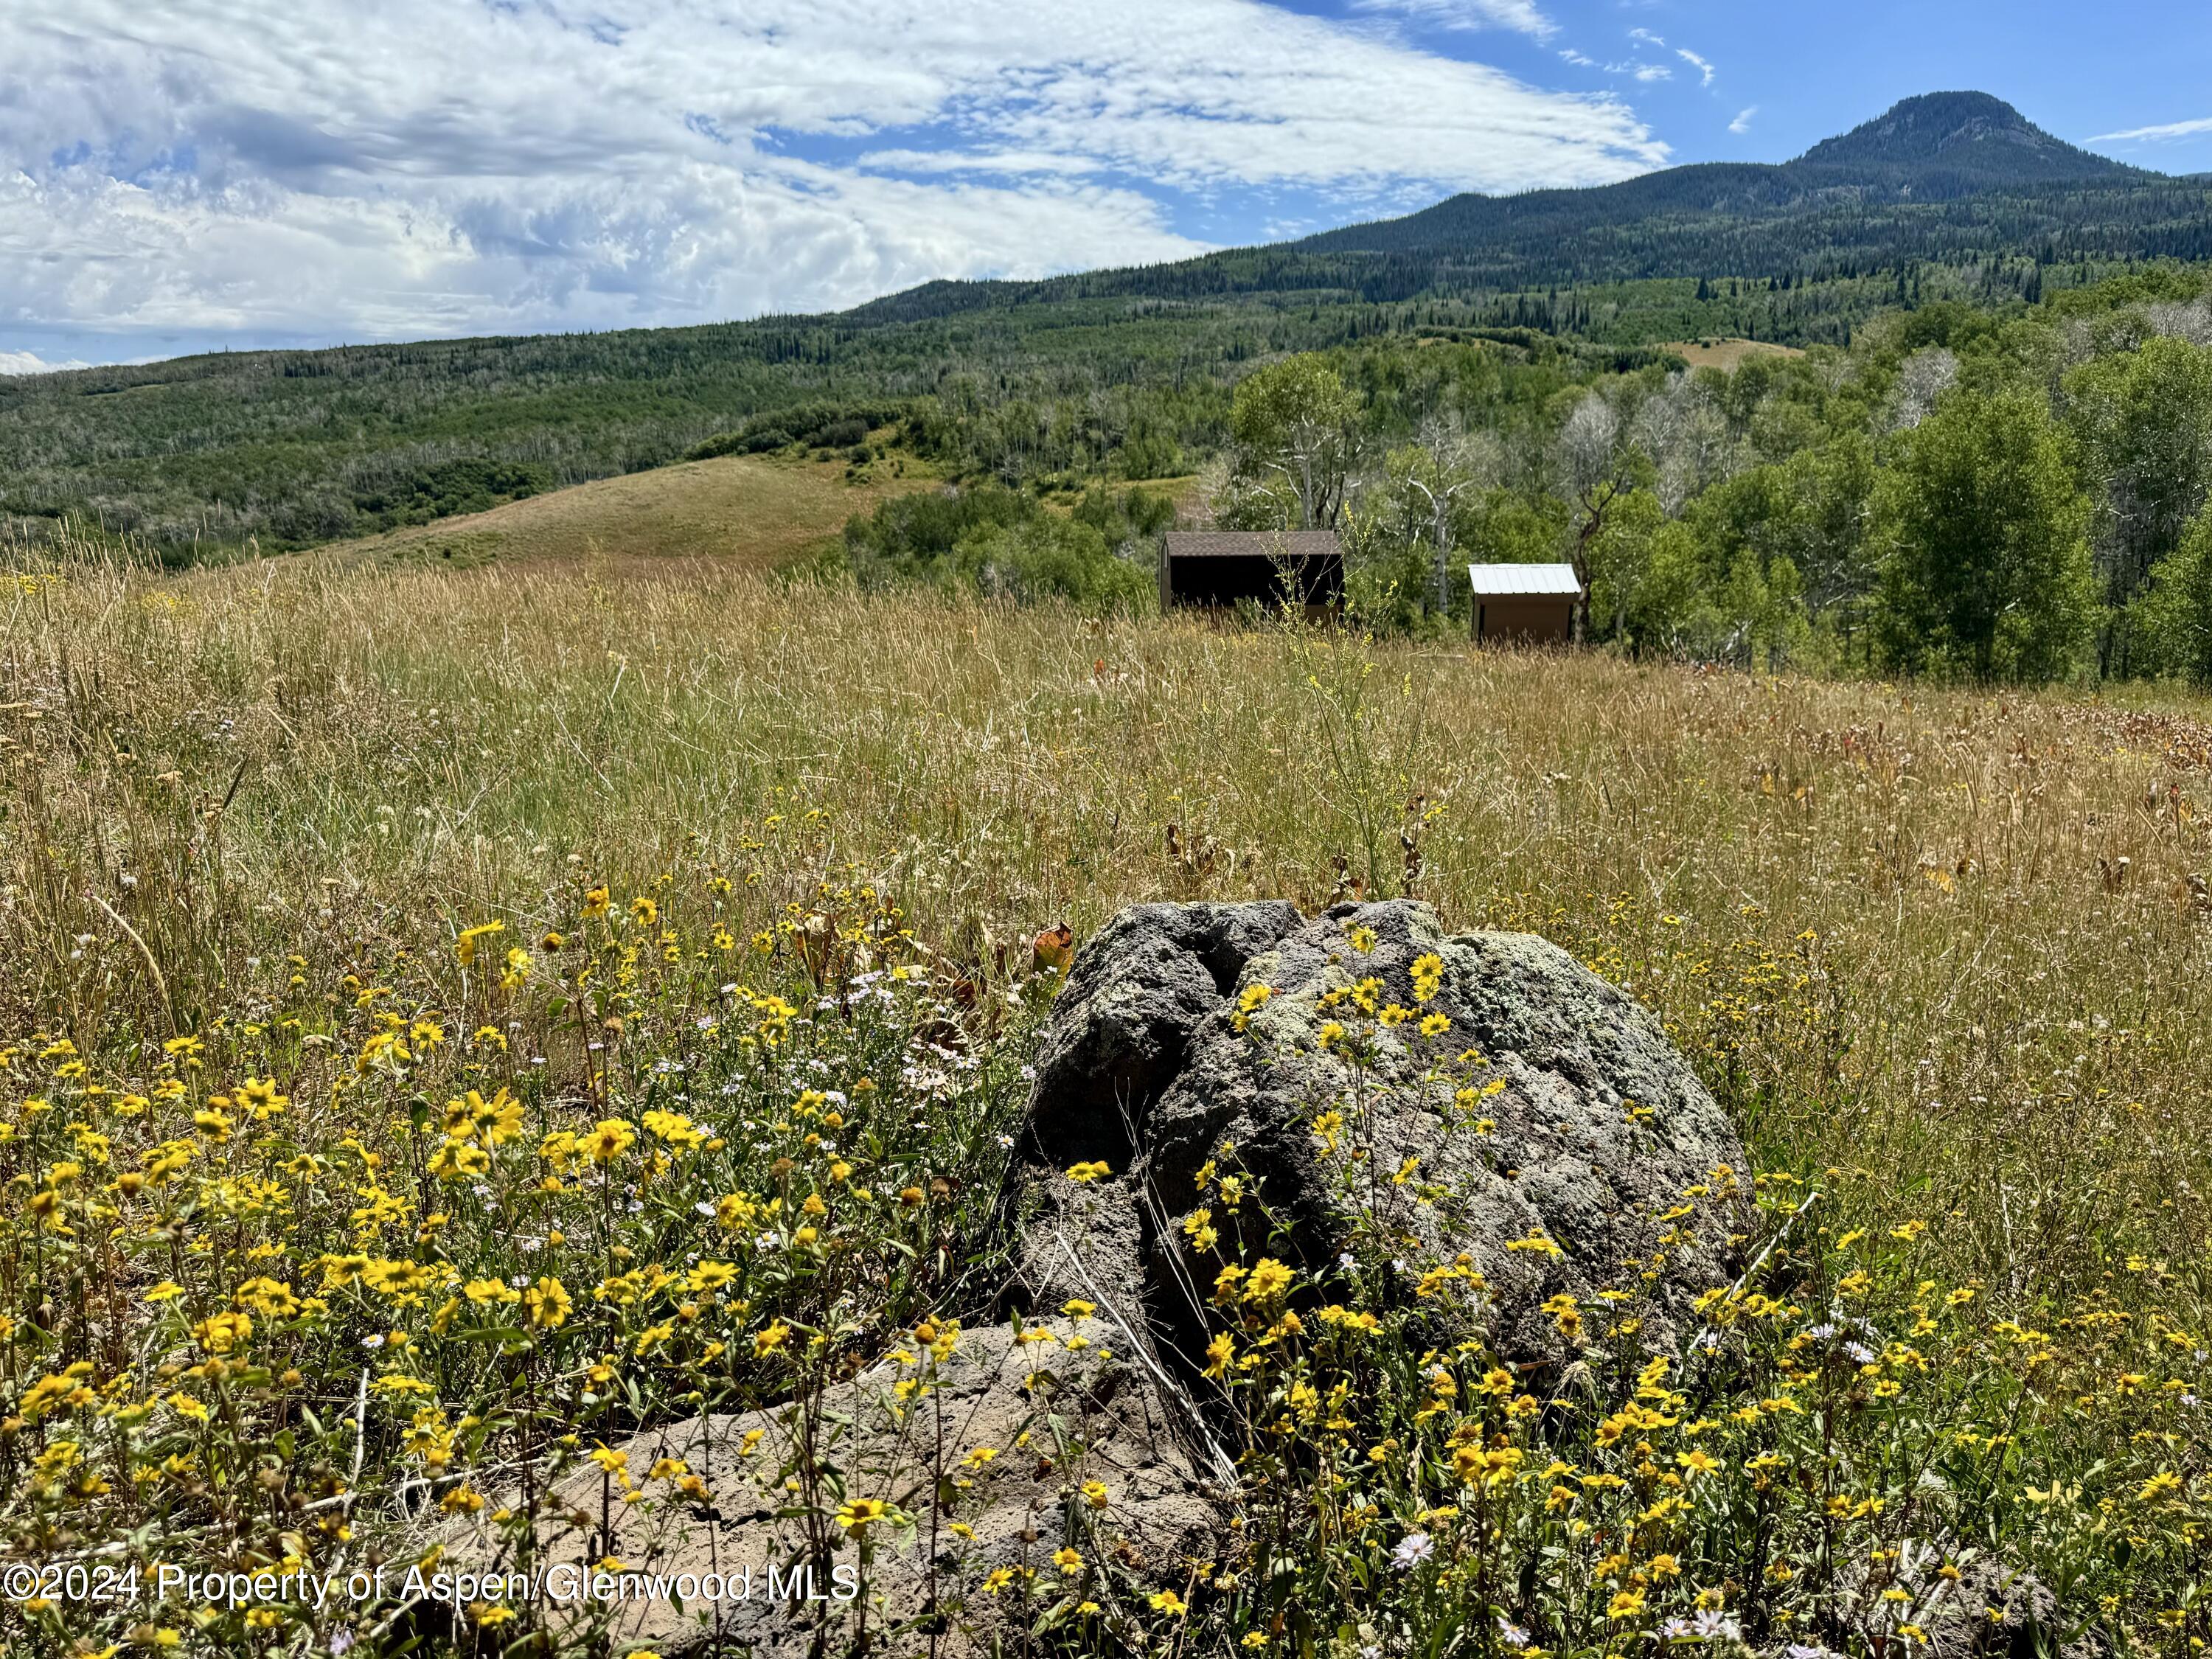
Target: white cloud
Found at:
x=29, y=362
x=1696, y=63
x=2154, y=135
x=1015, y=162
x=1742, y=123
x=430, y=167
x=1521, y=15
x=1646, y=37
x=1581, y=60
x=1653, y=72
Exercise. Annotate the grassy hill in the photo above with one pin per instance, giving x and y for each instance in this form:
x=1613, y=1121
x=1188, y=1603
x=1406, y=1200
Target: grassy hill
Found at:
x=1726, y=354
x=749, y=512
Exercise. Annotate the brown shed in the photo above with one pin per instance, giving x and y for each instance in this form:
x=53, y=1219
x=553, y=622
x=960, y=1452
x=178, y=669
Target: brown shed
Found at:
x=1222, y=566
x=1534, y=603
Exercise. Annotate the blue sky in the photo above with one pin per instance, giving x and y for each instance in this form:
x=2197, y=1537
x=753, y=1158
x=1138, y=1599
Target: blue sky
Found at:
x=239, y=173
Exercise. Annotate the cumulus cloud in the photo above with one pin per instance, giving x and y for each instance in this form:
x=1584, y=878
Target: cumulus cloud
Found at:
x=29, y=362
x=427, y=167
x=2154, y=135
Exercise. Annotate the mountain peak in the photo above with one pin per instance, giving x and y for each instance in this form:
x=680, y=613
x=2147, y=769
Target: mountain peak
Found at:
x=1965, y=137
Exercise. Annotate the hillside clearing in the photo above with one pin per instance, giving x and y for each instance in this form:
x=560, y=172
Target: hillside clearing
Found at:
x=749, y=512
x=1727, y=355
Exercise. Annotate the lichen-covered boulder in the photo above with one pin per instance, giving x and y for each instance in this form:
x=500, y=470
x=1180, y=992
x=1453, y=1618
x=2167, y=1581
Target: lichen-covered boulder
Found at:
x=1510, y=1113
x=1548, y=1106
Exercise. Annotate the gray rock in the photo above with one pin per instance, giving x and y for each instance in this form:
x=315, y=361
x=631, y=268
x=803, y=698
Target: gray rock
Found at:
x=1599, y=1130
x=1999, y=1607
x=1099, y=1418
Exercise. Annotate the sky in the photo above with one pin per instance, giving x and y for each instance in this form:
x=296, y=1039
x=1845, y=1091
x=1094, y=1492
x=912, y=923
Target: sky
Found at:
x=206, y=174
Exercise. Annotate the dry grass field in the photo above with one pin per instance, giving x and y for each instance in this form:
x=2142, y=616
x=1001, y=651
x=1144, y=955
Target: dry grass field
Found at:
x=753, y=512
x=1942, y=954
x=2006, y=931
x=1726, y=354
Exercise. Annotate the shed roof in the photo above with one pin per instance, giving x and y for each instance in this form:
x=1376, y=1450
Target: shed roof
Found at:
x=1253, y=544
x=1498, y=581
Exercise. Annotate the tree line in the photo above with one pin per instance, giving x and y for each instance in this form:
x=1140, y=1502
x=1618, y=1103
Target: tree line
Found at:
x=278, y=450
x=1963, y=493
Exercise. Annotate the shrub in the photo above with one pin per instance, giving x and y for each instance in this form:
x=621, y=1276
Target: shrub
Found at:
x=816, y=426
x=1005, y=544
x=1047, y=557
x=437, y=491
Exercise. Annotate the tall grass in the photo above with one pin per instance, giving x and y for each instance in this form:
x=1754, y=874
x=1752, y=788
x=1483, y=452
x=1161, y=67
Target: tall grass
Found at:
x=1957, y=939
x=1942, y=954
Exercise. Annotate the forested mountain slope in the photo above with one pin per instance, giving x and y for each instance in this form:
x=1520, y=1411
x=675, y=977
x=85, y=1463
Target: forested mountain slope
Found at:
x=1947, y=177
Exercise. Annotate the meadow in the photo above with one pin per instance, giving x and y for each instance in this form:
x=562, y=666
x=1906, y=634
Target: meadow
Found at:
x=751, y=511
x=319, y=871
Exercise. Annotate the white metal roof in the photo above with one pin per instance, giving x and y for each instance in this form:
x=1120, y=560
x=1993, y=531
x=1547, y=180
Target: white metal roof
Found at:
x=1497, y=582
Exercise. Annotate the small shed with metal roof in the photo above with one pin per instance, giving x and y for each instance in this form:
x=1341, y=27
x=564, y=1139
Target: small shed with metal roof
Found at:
x=1530, y=603
x=1221, y=567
